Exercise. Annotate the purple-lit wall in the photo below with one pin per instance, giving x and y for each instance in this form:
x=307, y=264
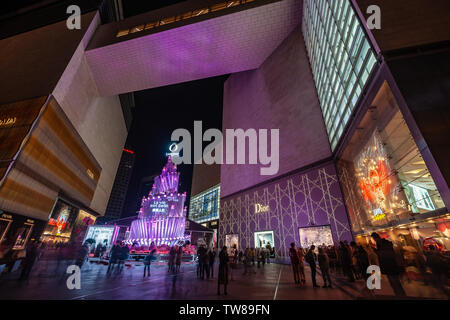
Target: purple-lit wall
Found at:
x=306, y=199
x=280, y=94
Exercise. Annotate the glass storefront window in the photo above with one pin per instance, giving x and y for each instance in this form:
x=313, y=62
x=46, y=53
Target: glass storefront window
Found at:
x=205, y=206
x=318, y=236
x=384, y=178
x=232, y=241
x=61, y=223
x=264, y=239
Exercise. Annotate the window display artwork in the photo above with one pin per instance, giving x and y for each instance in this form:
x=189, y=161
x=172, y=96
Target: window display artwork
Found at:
x=232, y=240
x=317, y=236
x=101, y=234
x=375, y=181
x=264, y=239
x=23, y=233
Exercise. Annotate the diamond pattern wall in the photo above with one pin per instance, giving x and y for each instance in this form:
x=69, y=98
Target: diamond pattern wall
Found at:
x=305, y=199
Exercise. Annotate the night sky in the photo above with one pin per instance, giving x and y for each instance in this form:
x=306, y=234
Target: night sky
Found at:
x=157, y=113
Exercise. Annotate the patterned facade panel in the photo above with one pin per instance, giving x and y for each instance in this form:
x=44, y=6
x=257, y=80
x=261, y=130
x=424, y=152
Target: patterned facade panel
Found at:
x=305, y=199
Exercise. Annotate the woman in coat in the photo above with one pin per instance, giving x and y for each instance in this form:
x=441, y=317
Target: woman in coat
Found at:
x=223, y=270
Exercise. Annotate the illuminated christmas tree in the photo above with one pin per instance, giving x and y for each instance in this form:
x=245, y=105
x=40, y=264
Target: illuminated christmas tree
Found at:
x=162, y=217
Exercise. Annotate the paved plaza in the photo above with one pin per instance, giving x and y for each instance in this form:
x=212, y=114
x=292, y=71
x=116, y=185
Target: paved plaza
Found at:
x=271, y=282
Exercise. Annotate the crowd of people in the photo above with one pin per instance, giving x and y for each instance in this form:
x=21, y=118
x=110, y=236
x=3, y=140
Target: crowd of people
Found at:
x=352, y=261
x=349, y=261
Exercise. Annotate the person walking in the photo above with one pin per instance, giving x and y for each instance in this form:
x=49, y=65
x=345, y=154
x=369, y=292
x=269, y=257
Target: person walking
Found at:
x=346, y=261
x=294, y=262
x=201, y=260
x=311, y=258
x=212, y=258
x=123, y=255
x=32, y=253
x=301, y=265
x=172, y=258
x=148, y=261
x=178, y=259
x=324, y=264
x=113, y=257
x=82, y=254
x=438, y=263
x=388, y=263
x=223, y=271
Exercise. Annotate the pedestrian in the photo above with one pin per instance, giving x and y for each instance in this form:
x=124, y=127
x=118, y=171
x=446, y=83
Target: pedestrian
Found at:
x=388, y=263
x=148, y=261
x=206, y=265
x=123, y=255
x=223, y=271
x=32, y=252
x=201, y=260
x=346, y=261
x=212, y=258
x=301, y=266
x=311, y=258
x=324, y=264
x=438, y=263
x=113, y=257
x=363, y=259
x=172, y=258
x=294, y=262
x=178, y=259
x=82, y=254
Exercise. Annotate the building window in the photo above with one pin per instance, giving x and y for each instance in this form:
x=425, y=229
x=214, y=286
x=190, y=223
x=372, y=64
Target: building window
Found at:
x=341, y=59
x=205, y=206
x=384, y=178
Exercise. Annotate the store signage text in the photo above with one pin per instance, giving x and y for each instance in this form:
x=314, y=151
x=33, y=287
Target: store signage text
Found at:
x=6, y=216
x=259, y=208
x=7, y=122
x=378, y=214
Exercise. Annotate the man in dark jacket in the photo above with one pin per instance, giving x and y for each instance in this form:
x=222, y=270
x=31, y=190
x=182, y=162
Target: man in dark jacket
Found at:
x=31, y=255
x=388, y=263
x=311, y=258
x=113, y=257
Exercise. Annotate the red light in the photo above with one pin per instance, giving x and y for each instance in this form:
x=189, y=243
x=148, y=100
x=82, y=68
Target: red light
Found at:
x=129, y=151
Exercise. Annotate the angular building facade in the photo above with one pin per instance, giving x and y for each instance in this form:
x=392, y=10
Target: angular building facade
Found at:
x=361, y=140
x=61, y=141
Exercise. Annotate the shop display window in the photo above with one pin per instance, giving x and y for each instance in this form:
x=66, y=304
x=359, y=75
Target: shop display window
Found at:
x=384, y=178
x=318, y=236
x=232, y=240
x=263, y=239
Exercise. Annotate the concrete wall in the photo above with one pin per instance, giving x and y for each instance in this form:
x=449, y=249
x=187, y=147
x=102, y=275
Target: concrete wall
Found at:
x=32, y=62
x=98, y=120
x=279, y=94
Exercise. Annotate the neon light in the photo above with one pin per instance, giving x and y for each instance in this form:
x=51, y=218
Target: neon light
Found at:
x=129, y=151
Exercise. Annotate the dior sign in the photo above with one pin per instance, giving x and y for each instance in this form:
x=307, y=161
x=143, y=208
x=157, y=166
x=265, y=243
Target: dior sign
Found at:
x=260, y=208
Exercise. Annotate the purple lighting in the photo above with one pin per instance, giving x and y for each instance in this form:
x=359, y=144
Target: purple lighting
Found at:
x=161, y=219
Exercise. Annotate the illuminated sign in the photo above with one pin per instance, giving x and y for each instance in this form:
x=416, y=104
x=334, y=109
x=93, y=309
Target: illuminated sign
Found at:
x=378, y=214
x=259, y=208
x=6, y=216
x=90, y=174
x=173, y=150
x=159, y=206
x=7, y=122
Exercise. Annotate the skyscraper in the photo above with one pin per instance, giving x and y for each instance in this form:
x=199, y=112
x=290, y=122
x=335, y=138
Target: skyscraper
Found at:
x=120, y=186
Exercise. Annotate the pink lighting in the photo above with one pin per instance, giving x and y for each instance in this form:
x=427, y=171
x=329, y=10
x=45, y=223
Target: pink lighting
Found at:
x=161, y=219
